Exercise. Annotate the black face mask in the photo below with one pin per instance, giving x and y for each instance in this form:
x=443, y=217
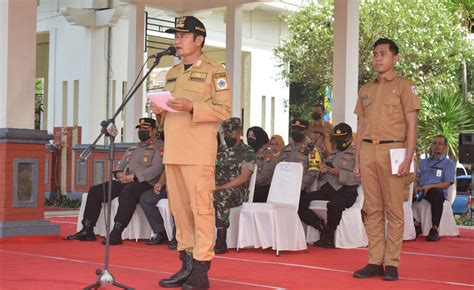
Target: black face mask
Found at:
x=252, y=142
x=342, y=145
x=316, y=116
x=230, y=141
x=143, y=135
x=297, y=136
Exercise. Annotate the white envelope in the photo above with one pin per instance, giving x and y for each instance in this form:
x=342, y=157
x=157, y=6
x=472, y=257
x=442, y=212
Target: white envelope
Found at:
x=396, y=158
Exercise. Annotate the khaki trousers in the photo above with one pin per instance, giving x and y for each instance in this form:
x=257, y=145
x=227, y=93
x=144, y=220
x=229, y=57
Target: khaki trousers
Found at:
x=190, y=195
x=383, y=198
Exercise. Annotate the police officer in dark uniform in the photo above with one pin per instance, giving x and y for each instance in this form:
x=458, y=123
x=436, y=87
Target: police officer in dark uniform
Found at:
x=337, y=184
x=138, y=171
x=301, y=151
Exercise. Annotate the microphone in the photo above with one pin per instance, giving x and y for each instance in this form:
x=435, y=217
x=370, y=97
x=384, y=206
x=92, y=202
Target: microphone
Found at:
x=170, y=51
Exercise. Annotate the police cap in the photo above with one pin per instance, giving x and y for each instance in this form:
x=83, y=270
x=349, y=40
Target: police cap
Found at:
x=299, y=123
x=342, y=131
x=146, y=123
x=188, y=24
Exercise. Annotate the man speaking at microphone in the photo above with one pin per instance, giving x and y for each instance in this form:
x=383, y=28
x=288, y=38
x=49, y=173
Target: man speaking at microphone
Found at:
x=202, y=98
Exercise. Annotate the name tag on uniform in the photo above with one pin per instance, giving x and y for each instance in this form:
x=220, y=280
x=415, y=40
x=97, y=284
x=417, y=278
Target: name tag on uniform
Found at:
x=439, y=172
x=198, y=77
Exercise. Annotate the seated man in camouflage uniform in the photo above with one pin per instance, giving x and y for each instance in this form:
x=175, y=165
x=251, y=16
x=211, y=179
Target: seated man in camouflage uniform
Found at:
x=235, y=164
x=137, y=172
x=300, y=151
x=337, y=184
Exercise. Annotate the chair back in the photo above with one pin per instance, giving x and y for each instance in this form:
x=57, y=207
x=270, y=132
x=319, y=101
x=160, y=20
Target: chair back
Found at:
x=286, y=184
x=452, y=193
x=360, y=198
x=253, y=179
x=410, y=193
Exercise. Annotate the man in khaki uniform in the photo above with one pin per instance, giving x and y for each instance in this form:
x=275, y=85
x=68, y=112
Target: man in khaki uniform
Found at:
x=202, y=98
x=387, y=110
x=320, y=129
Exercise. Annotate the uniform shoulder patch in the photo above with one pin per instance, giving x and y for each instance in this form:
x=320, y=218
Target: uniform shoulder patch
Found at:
x=220, y=81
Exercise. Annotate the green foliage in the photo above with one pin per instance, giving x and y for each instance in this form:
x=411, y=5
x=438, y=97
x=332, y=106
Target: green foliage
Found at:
x=444, y=112
x=432, y=43
x=63, y=202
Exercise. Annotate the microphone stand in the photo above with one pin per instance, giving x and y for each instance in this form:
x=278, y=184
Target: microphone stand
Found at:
x=109, y=130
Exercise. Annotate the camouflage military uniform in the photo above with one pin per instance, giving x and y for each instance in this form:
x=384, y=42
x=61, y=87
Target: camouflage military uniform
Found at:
x=230, y=163
x=308, y=156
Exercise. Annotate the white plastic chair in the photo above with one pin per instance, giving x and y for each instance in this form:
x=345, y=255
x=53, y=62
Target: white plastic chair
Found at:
x=233, y=230
x=447, y=224
x=163, y=207
x=350, y=232
x=138, y=228
x=276, y=223
x=409, y=232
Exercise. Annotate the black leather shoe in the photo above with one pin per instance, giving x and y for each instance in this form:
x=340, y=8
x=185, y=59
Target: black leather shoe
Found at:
x=433, y=236
x=178, y=279
x=115, y=235
x=391, y=273
x=418, y=230
x=173, y=245
x=371, y=270
x=83, y=235
x=161, y=238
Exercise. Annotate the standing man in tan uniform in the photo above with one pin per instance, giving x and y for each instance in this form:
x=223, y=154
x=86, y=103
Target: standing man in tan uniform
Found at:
x=202, y=98
x=387, y=110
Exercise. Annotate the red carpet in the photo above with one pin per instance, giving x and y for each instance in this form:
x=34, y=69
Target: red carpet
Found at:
x=41, y=262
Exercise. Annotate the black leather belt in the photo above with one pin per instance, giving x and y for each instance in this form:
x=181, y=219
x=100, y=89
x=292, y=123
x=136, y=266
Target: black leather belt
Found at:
x=381, y=141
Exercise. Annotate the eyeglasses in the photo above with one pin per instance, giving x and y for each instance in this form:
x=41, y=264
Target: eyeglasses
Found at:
x=438, y=143
x=274, y=144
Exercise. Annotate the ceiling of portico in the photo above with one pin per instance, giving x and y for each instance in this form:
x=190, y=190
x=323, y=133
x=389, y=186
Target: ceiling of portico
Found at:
x=184, y=6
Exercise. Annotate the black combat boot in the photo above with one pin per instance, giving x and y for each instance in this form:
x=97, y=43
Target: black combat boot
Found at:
x=221, y=242
x=198, y=279
x=115, y=237
x=86, y=234
x=178, y=279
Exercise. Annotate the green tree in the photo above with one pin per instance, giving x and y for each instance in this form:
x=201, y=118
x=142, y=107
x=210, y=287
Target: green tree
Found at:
x=444, y=112
x=432, y=43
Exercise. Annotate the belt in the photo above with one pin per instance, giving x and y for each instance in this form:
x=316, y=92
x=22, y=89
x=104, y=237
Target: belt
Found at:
x=380, y=141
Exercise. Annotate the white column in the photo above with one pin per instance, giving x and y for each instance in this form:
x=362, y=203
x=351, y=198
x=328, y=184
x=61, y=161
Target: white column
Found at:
x=136, y=38
x=346, y=61
x=17, y=63
x=233, y=54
